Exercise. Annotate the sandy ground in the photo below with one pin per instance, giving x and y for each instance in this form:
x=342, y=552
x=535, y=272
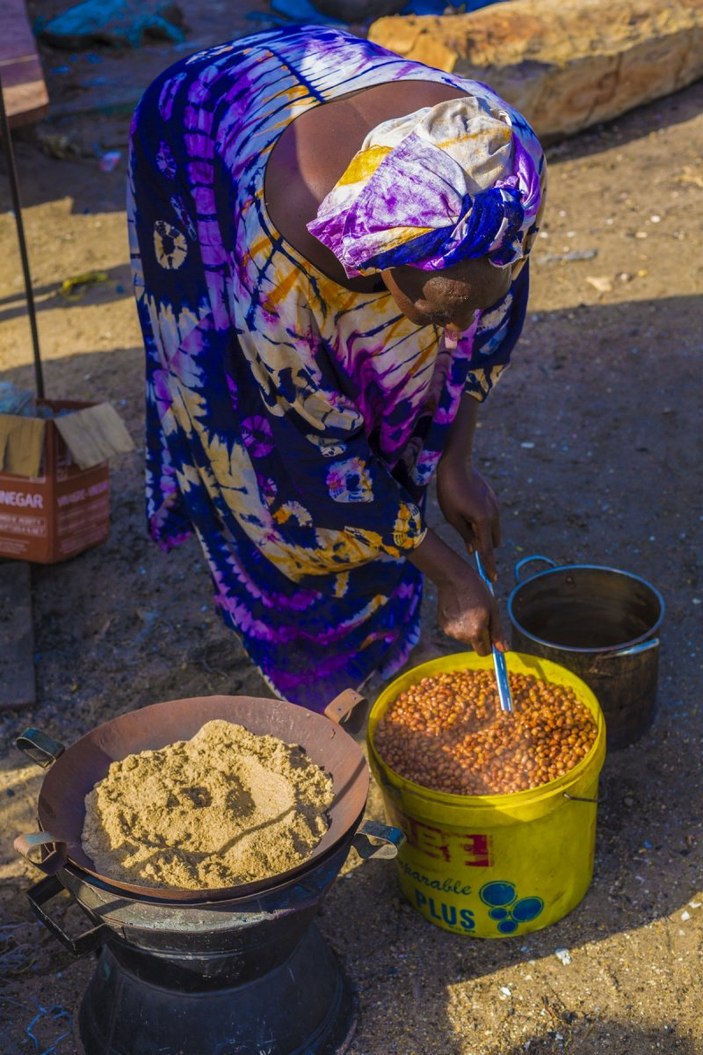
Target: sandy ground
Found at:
x=593, y=443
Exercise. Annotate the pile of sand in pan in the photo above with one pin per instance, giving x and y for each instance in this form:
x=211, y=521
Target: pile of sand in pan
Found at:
x=224, y=808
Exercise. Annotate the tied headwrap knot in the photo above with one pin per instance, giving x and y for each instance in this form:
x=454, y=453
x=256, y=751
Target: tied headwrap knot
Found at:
x=452, y=182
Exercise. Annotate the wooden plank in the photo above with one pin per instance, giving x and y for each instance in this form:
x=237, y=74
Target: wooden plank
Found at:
x=24, y=88
x=17, y=675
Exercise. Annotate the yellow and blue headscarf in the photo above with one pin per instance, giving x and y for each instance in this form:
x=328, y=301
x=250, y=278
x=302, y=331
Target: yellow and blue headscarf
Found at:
x=452, y=182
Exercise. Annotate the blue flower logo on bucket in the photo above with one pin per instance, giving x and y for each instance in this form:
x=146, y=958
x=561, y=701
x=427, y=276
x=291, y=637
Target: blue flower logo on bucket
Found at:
x=506, y=908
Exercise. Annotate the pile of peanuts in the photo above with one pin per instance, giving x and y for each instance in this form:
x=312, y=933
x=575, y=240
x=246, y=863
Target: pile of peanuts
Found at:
x=449, y=734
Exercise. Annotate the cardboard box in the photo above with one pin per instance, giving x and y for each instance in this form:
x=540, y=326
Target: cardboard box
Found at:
x=54, y=480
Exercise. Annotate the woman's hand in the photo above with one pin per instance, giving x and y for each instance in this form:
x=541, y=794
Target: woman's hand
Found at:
x=466, y=610
x=470, y=506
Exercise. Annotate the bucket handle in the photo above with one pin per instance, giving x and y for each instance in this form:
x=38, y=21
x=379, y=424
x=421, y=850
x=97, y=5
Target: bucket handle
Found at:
x=387, y=842
x=583, y=798
x=39, y=746
x=349, y=710
x=519, y=565
x=44, y=891
x=54, y=860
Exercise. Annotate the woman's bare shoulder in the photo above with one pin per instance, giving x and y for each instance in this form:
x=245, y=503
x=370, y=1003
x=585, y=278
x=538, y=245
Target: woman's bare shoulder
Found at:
x=315, y=149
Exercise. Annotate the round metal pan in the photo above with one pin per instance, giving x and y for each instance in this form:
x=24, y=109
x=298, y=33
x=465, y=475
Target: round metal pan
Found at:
x=75, y=771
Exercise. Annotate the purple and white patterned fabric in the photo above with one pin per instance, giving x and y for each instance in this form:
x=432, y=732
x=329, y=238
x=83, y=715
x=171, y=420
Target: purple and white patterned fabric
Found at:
x=452, y=182
x=293, y=425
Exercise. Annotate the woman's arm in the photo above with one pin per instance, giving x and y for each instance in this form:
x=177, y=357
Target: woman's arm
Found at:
x=466, y=500
x=465, y=608
x=460, y=445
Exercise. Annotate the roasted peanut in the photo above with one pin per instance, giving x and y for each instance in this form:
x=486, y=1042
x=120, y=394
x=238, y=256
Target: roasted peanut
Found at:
x=448, y=733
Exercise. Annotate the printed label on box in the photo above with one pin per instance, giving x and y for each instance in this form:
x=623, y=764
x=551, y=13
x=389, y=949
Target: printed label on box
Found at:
x=22, y=499
x=13, y=547
x=32, y=527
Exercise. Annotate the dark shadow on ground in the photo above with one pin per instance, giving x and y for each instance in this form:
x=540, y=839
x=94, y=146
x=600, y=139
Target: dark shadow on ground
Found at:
x=588, y=1035
x=85, y=290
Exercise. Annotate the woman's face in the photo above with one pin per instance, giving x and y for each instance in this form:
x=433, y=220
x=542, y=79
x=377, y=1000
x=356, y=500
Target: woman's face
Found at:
x=447, y=298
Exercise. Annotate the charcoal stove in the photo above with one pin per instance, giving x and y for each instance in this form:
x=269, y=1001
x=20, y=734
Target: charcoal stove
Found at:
x=233, y=971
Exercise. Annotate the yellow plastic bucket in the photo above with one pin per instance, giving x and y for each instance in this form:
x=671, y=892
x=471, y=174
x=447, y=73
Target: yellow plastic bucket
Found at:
x=494, y=866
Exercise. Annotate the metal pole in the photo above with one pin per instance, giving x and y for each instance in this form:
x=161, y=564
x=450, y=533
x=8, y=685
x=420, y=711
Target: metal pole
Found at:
x=14, y=191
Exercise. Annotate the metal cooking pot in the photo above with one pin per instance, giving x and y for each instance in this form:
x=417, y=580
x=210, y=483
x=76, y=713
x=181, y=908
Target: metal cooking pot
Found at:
x=602, y=624
x=75, y=770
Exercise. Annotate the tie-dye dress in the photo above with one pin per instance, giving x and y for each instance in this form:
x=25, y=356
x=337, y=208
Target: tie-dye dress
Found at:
x=292, y=424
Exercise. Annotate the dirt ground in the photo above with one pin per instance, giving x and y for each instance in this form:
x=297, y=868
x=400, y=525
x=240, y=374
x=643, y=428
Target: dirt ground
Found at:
x=593, y=443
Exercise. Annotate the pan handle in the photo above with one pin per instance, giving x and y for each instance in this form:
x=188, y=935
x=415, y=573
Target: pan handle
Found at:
x=53, y=862
x=387, y=841
x=519, y=565
x=347, y=710
x=44, y=891
x=40, y=747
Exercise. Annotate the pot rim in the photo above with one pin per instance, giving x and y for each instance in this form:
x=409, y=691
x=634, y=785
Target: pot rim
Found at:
x=650, y=632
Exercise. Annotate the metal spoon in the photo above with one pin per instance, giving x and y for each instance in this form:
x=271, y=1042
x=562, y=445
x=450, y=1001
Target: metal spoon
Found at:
x=504, y=694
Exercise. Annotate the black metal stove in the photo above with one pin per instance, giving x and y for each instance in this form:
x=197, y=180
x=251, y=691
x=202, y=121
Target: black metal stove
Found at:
x=241, y=977
x=203, y=975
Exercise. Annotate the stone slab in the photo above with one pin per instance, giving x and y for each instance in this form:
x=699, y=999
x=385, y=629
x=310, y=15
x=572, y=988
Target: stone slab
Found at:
x=565, y=64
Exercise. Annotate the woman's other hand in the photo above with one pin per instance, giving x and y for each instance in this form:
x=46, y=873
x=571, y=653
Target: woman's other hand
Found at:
x=470, y=506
